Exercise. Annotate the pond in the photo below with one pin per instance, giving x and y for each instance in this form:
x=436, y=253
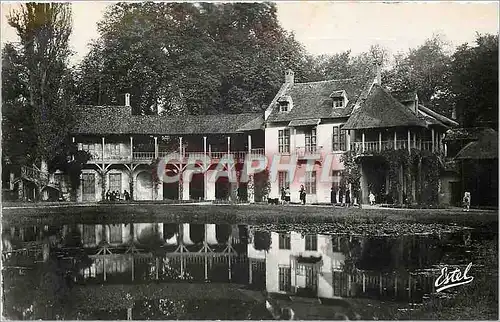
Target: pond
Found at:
x=169, y=271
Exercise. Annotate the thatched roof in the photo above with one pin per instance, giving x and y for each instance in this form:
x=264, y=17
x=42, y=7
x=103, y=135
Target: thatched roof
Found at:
x=102, y=120
x=381, y=110
x=486, y=147
x=314, y=99
x=403, y=96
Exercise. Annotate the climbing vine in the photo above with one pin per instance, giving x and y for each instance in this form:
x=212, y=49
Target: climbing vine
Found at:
x=351, y=173
x=154, y=172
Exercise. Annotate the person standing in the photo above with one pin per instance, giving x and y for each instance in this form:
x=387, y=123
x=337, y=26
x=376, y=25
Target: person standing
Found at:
x=347, y=198
x=287, y=195
x=466, y=201
x=372, y=198
x=333, y=196
x=283, y=195
x=302, y=194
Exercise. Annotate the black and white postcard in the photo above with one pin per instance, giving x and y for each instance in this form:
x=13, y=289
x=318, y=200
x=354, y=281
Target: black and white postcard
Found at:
x=249, y=160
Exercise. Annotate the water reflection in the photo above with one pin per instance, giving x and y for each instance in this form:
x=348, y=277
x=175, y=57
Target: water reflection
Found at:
x=202, y=256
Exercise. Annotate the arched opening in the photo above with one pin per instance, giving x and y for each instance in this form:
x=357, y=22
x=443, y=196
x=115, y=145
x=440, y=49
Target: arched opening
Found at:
x=197, y=233
x=171, y=189
x=144, y=190
x=222, y=233
x=197, y=186
x=222, y=188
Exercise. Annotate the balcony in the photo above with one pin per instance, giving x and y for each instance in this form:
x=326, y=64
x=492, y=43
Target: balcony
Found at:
x=149, y=156
x=377, y=146
x=308, y=152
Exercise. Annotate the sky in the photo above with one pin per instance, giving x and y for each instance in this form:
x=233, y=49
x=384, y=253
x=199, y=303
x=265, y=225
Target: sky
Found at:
x=332, y=27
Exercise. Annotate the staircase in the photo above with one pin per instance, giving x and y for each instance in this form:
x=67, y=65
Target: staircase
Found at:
x=34, y=175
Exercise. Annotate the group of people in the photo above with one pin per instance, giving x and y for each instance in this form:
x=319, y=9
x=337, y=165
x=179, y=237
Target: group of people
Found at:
x=286, y=195
x=115, y=195
x=344, y=200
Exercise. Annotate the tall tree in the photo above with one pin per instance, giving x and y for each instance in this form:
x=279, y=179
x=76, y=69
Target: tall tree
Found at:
x=189, y=58
x=474, y=82
x=43, y=30
x=425, y=70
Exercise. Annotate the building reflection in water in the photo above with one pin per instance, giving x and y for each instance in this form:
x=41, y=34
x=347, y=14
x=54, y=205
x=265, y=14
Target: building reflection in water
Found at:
x=313, y=265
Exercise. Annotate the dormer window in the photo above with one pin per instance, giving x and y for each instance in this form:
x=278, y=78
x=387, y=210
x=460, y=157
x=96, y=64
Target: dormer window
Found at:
x=339, y=99
x=285, y=103
x=283, y=106
x=338, y=102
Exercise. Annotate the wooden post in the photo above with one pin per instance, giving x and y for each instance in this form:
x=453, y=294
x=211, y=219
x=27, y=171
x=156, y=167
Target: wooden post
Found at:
x=380, y=284
x=433, y=139
x=249, y=143
x=157, y=267
x=395, y=140
x=229, y=242
x=131, y=148
x=181, y=155
x=104, y=266
x=364, y=283
x=409, y=286
x=415, y=139
x=379, y=141
x=228, y=145
x=156, y=147
x=133, y=264
x=205, y=250
x=250, y=272
x=207, y=167
x=409, y=140
x=348, y=139
x=349, y=284
x=102, y=161
x=362, y=141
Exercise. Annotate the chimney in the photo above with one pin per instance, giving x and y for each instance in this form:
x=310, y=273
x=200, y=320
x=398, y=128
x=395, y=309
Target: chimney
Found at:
x=127, y=99
x=378, y=73
x=289, y=76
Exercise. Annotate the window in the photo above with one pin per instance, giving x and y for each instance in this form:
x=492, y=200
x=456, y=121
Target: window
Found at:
x=312, y=242
x=282, y=180
x=59, y=178
x=284, y=241
x=338, y=143
x=115, y=182
x=115, y=232
x=310, y=183
x=89, y=234
x=338, y=102
x=113, y=150
x=93, y=149
x=284, y=141
x=88, y=184
x=311, y=140
x=284, y=106
x=285, y=278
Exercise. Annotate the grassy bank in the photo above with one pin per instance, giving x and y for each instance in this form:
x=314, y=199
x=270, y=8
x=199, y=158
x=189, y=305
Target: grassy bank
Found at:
x=235, y=214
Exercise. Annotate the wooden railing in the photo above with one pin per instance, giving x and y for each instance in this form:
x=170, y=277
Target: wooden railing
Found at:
x=142, y=156
x=377, y=146
x=308, y=151
x=34, y=175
